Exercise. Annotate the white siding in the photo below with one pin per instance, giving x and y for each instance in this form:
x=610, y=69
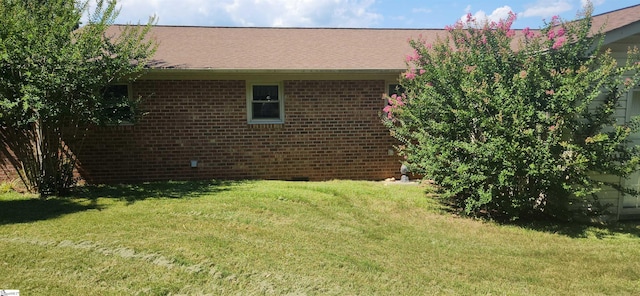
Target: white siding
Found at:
x=627, y=108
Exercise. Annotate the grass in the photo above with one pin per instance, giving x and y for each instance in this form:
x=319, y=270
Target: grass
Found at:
x=273, y=237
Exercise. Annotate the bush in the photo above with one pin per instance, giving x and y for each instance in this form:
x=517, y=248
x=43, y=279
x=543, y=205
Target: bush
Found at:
x=53, y=77
x=516, y=131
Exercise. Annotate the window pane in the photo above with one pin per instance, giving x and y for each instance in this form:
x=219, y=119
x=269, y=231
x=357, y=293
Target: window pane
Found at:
x=270, y=110
x=395, y=89
x=116, y=91
x=265, y=93
x=117, y=108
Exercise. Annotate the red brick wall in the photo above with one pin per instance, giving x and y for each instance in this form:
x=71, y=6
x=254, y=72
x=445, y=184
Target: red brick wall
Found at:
x=332, y=130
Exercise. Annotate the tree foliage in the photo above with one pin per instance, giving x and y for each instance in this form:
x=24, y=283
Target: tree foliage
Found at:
x=516, y=124
x=53, y=73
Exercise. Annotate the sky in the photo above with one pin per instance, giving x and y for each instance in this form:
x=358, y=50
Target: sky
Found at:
x=431, y=14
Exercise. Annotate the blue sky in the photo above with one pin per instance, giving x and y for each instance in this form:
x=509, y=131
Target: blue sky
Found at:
x=351, y=13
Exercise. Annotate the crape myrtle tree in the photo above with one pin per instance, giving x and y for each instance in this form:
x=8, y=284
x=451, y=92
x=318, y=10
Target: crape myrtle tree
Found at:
x=53, y=75
x=516, y=125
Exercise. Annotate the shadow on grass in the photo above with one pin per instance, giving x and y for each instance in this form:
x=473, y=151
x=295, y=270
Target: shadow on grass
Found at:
x=141, y=191
x=573, y=229
x=584, y=229
x=31, y=210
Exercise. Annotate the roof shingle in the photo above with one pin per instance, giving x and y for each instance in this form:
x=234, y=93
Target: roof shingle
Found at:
x=305, y=49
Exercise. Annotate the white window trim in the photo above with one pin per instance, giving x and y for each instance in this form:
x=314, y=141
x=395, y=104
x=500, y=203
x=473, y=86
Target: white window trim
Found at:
x=281, y=100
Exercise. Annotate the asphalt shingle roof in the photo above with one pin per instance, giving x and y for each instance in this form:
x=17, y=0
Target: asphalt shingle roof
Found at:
x=305, y=49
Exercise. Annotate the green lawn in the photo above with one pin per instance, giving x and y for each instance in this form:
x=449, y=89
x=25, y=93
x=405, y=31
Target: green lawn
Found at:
x=274, y=238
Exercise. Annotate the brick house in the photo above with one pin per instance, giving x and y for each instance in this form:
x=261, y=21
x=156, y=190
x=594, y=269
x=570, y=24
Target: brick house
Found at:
x=265, y=103
x=280, y=103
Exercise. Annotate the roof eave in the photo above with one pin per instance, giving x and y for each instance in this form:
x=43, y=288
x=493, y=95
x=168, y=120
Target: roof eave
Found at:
x=280, y=74
x=621, y=33
x=266, y=71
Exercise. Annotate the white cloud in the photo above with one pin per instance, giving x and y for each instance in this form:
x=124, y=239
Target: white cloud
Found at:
x=174, y=12
x=547, y=8
x=500, y=13
x=278, y=13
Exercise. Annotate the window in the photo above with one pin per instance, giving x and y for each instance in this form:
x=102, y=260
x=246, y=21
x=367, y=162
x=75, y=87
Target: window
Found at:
x=265, y=103
x=117, y=104
x=395, y=89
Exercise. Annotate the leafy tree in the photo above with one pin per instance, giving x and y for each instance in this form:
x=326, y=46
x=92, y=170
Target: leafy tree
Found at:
x=516, y=125
x=53, y=74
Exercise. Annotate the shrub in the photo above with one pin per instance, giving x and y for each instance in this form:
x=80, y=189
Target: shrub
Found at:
x=516, y=124
x=53, y=80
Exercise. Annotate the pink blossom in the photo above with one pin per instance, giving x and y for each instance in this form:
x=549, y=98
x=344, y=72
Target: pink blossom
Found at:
x=511, y=33
x=422, y=71
x=551, y=34
x=554, y=20
x=410, y=74
x=552, y=128
x=470, y=17
x=393, y=102
x=414, y=57
x=550, y=92
x=560, y=32
x=558, y=43
x=512, y=17
x=396, y=101
x=387, y=109
x=528, y=33
x=457, y=25
x=505, y=25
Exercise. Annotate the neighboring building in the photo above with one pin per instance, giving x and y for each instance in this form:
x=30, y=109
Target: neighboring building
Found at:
x=622, y=29
x=279, y=103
